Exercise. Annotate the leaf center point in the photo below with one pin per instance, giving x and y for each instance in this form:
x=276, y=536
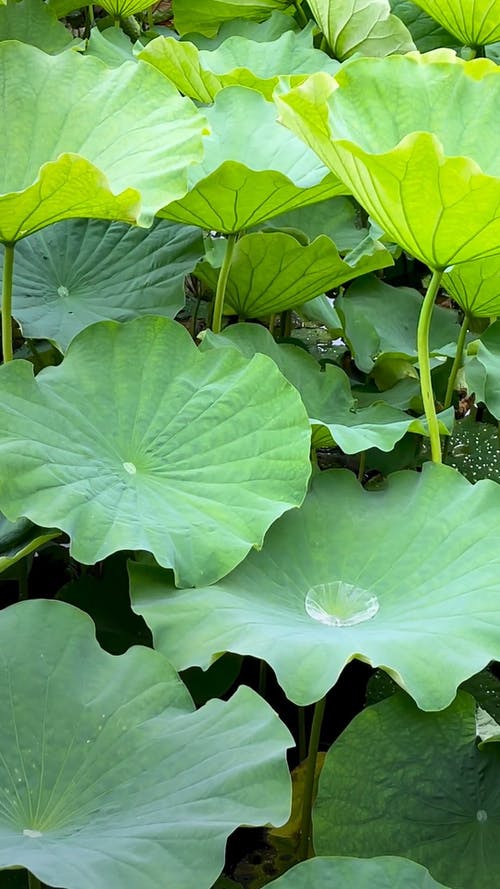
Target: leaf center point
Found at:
x=340, y=604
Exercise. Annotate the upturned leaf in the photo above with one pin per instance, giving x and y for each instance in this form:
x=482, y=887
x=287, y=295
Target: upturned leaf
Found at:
x=474, y=24
x=475, y=286
x=355, y=26
x=206, y=16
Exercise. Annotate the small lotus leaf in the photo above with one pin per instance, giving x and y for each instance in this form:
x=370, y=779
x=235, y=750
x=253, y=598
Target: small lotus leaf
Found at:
x=253, y=168
x=81, y=271
x=206, y=16
x=19, y=539
x=112, y=46
x=476, y=286
x=115, y=780
x=29, y=21
x=429, y=179
x=474, y=449
x=345, y=577
x=355, y=26
x=442, y=811
x=189, y=456
x=272, y=271
x=426, y=32
x=122, y=157
x=474, y=24
x=356, y=873
x=482, y=369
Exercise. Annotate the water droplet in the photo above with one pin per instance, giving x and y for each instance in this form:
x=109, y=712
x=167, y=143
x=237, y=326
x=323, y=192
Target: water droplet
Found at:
x=62, y=291
x=481, y=816
x=87, y=741
x=339, y=604
x=130, y=467
x=32, y=833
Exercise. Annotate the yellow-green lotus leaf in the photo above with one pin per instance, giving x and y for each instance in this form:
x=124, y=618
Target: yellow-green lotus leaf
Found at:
x=475, y=286
x=474, y=22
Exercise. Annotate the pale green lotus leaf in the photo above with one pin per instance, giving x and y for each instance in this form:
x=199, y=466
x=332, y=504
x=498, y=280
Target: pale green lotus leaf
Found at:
x=273, y=27
x=309, y=602
x=381, y=321
x=321, y=312
x=473, y=23
x=123, y=157
x=475, y=286
x=338, y=218
x=116, y=780
x=29, y=21
x=19, y=539
x=327, y=395
x=442, y=811
x=253, y=168
x=482, y=369
x=186, y=455
x=426, y=32
x=206, y=16
x=272, y=271
x=355, y=26
x=81, y=271
x=112, y=46
x=356, y=873
x=201, y=74
x=429, y=179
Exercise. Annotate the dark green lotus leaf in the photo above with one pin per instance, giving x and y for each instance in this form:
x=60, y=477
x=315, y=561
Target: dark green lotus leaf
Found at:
x=442, y=810
x=186, y=455
x=19, y=539
x=123, y=157
x=81, y=271
x=112, y=46
x=356, y=873
x=474, y=24
x=482, y=369
x=327, y=395
x=206, y=16
x=355, y=26
x=476, y=286
x=380, y=146
x=380, y=321
x=426, y=32
x=253, y=168
x=338, y=218
x=116, y=780
x=201, y=74
x=29, y=21
x=309, y=602
x=272, y=271
x=474, y=449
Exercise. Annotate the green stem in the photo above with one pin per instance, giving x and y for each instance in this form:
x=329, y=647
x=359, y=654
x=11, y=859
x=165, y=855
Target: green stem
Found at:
x=457, y=363
x=312, y=757
x=424, y=323
x=302, y=745
x=151, y=24
x=33, y=882
x=362, y=466
x=8, y=269
x=301, y=16
x=221, y=284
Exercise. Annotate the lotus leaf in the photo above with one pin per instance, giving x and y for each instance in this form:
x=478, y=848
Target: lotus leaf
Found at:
x=124, y=7
x=425, y=31
x=201, y=74
x=474, y=24
x=31, y=22
x=112, y=46
x=187, y=455
x=81, y=271
x=355, y=26
x=124, y=158
x=321, y=312
x=116, y=780
x=270, y=29
x=356, y=873
x=338, y=218
x=206, y=16
x=474, y=449
x=482, y=369
x=272, y=271
x=431, y=180
x=310, y=601
x=443, y=811
x=252, y=170
x=476, y=286
x=19, y=539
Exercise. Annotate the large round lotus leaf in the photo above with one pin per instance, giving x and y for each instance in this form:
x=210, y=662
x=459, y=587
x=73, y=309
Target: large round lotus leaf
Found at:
x=476, y=286
x=118, y=144
x=331, y=405
x=30, y=21
x=425, y=31
x=139, y=441
x=356, y=873
x=402, y=782
x=429, y=177
x=19, y=539
x=253, y=168
x=272, y=271
x=81, y=271
x=114, y=781
x=473, y=23
x=344, y=577
x=482, y=369
x=201, y=74
x=355, y=26
x=206, y=16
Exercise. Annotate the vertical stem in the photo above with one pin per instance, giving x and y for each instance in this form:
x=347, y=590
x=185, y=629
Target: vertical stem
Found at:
x=33, y=882
x=221, y=284
x=300, y=14
x=151, y=24
x=424, y=324
x=457, y=363
x=8, y=269
x=305, y=828
x=302, y=745
x=362, y=466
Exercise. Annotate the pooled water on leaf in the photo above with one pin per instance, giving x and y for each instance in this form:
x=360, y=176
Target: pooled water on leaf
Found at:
x=340, y=604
